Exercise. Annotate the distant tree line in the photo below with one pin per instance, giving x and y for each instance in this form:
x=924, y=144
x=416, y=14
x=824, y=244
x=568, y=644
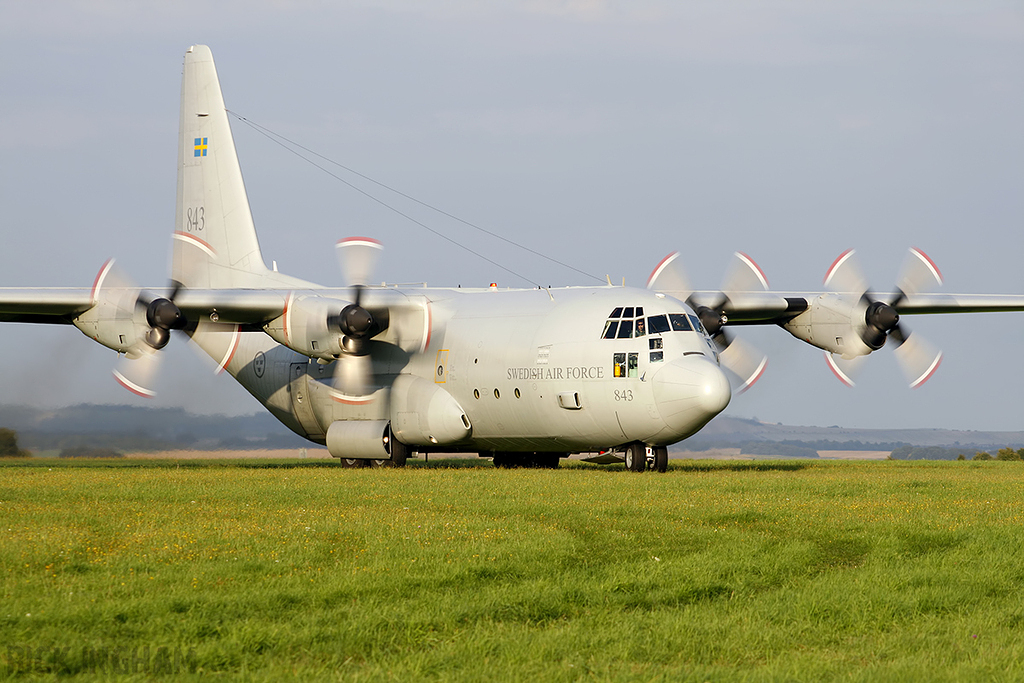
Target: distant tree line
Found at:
x=87, y=452
x=141, y=442
x=1001, y=454
x=131, y=428
x=957, y=453
x=9, y=445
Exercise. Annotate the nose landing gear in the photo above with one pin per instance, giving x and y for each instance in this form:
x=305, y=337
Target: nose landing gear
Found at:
x=640, y=457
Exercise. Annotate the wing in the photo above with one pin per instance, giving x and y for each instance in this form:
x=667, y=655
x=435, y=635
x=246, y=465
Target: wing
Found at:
x=246, y=307
x=255, y=308
x=773, y=308
x=63, y=306
x=44, y=305
x=960, y=303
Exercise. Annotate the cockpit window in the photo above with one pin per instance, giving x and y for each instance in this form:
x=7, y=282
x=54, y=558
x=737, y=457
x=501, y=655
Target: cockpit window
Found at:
x=658, y=324
x=697, y=325
x=628, y=322
x=679, y=322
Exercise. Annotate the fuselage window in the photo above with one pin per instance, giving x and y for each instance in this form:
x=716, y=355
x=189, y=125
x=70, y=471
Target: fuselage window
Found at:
x=626, y=329
x=619, y=365
x=610, y=328
x=657, y=356
x=658, y=324
x=639, y=330
x=634, y=361
x=679, y=322
x=655, y=343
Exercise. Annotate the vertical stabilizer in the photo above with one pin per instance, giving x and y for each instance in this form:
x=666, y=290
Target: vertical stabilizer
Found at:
x=215, y=243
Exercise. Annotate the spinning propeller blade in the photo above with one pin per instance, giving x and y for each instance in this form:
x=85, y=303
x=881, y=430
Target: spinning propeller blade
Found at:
x=358, y=257
x=352, y=375
x=845, y=369
x=918, y=359
x=742, y=359
x=745, y=362
x=353, y=370
x=670, y=277
x=138, y=368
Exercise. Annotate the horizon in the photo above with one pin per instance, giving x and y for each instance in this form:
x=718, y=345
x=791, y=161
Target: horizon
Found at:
x=701, y=434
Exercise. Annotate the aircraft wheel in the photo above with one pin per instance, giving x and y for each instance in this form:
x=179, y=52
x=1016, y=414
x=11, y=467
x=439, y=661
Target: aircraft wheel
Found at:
x=636, y=457
x=661, y=459
x=399, y=453
x=349, y=463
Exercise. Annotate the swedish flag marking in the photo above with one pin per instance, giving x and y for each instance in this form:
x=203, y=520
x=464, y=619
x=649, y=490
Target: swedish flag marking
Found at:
x=200, y=147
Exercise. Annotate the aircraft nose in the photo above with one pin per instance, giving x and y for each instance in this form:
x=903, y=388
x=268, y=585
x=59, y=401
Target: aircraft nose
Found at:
x=689, y=392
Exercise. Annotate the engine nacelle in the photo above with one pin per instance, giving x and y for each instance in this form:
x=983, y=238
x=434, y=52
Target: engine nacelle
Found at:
x=114, y=321
x=836, y=323
x=424, y=414
x=306, y=327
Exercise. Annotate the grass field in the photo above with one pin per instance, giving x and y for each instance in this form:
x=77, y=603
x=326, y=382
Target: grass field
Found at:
x=797, y=570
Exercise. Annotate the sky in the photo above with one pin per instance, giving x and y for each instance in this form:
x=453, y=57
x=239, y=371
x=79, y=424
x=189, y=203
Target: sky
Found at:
x=602, y=134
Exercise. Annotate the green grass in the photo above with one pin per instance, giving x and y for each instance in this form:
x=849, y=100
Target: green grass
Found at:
x=760, y=571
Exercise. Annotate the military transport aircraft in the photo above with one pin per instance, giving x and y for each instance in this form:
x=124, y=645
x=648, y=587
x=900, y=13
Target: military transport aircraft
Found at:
x=522, y=376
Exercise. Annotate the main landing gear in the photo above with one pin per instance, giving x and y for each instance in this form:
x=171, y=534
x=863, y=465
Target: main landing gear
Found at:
x=640, y=457
x=399, y=454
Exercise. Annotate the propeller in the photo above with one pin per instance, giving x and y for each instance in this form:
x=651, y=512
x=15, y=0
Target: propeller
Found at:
x=741, y=358
x=353, y=373
x=918, y=358
x=136, y=370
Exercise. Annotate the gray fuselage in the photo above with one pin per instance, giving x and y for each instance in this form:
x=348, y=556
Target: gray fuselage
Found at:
x=534, y=370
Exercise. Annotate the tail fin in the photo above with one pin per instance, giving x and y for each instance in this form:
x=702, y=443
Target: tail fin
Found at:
x=215, y=244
